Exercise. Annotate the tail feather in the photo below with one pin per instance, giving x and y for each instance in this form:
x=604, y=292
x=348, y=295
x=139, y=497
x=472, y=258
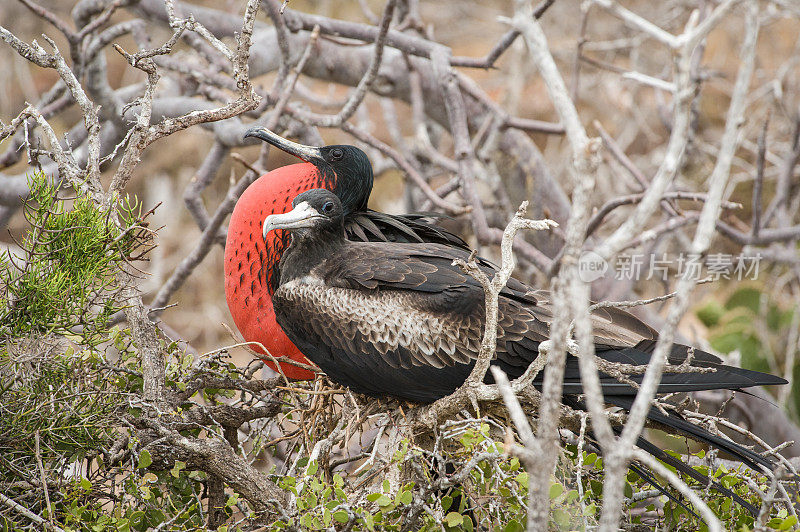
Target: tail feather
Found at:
x=683, y=468
x=747, y=456
x=689, y=471
x=645, y=474
x=723, y=377
x=648, y=477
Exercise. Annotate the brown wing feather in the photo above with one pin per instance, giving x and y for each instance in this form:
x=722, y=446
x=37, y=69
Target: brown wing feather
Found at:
x=407, y=286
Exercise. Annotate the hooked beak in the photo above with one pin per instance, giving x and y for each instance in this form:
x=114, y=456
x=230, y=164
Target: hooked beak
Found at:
x=309, y=154
x=304, y=215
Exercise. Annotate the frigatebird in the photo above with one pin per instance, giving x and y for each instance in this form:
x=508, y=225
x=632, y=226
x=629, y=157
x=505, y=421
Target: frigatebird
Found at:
x=251, y=262
x=401, y=320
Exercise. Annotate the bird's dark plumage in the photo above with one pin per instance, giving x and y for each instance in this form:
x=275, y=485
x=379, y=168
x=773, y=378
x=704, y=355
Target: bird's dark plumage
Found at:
x=397, y=319
x=402, y=320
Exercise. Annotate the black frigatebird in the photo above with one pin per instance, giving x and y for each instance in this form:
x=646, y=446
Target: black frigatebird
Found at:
x=251, y=262
x=394, y=319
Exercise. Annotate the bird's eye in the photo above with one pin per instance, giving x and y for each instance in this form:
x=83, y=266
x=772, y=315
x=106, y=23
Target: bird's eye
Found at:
x=337, y=154
x=327, y=207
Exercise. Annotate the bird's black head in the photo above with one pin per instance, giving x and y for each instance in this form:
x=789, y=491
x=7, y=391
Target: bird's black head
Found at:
x=314, y=211
x=344, y=169
x=323, y=201
x=353, y=175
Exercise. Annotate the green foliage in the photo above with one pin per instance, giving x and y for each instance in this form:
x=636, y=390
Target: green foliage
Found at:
x=59, y=413
x=493, y=496
x=60, y=401
x=670, y=515
x=77, y=415
x=69, y=274
x=80, y=407
x=68, y=393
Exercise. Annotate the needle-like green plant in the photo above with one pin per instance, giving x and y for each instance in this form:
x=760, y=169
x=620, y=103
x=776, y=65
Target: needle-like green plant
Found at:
x=65, y=277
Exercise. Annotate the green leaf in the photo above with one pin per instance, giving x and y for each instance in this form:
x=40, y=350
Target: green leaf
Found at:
x=311, y=500
x=176, y=469
x=710, y=313
x=341, y=516
x=232, y=500
x=383, y=500
x=514, y=526
x=145, y=459
x=198, y=475
x=454, y=519
x=556, y=489
x=86, y=484
x=369, y=521
x=748, y=297
x=405, y=497
x=447, y=501
x=562, y=518
x=730, y=481
x=628, y=490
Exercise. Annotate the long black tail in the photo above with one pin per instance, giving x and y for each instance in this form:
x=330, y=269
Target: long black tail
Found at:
x=670, y=460
x=674, y=421
x=689, y=471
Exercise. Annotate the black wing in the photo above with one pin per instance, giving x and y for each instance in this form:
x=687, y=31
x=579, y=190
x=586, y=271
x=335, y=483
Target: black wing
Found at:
x=374, y=226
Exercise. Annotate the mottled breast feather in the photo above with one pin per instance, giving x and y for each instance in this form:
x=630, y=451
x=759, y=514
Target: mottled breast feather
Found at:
x=363, y=320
